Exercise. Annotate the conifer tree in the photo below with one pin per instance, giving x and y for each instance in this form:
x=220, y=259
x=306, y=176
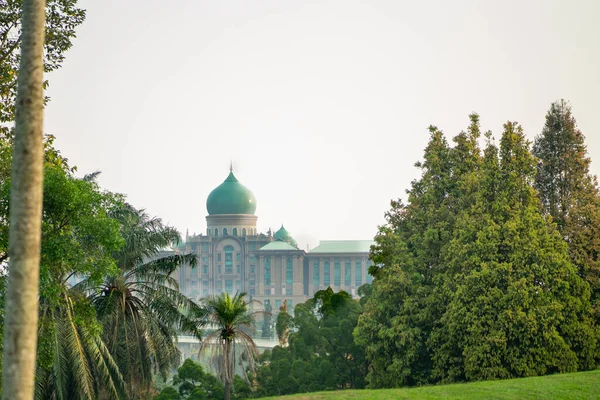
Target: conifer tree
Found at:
x=519, y=308
x=569, y=193
x=473, y=281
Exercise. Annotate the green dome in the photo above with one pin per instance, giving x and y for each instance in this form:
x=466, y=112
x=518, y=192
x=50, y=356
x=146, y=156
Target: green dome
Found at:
x=231, y=197
x=283, y=235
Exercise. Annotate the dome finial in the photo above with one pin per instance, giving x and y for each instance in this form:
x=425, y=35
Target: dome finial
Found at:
x=230, y=165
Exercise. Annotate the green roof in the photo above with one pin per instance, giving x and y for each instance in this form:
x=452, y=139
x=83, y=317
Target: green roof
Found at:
x=231, y=197
x=343, y=246
x=278, y=245
x=283, y=234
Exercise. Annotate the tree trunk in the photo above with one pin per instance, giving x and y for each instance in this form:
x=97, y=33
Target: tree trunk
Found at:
x=21, y=314
x=226, y=364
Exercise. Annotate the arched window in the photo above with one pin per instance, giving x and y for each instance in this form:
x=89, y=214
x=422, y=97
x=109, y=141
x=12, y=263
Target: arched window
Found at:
x=208, y=231
x=234, y=232
x=225, y=232
x=228, y=259
x=216, y=231
x=243, y=231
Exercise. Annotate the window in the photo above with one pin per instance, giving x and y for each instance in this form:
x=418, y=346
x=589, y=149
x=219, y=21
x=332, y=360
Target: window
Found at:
x=208, y=231
x=358, y=273
x=252, y=268
x=234, y=232
x=219, y=270
x=348, y=273
x=229, y=286
x=216, y=232
x=277, y=304
x=267, y=270
x=238, y=256
x=228, y=259
x=205, y=259
x=204, y=247
x=289, y=272
x=316, y=274
x=369, y=277
x=326, y=273
x=251, y=246
x=205, y=284
x=252, y=292
x=237, y=268
x=218, y=256
x=225, y=232
x=337, y=274
x=194, y=273
x=252, y=282
x=205, y=269
x=219, y=286
x=243, y=231
x=238, y=285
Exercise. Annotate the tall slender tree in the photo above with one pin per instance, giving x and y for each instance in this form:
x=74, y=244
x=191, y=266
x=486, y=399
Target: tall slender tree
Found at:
x=20, y=324
x=569, y=192
x=232, y=317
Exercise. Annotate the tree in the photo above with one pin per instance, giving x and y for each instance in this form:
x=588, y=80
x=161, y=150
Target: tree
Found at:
x=473, y=282
x=400, y=313
x=519, y=308
x=62, y=18
x=569, y=193
x=283, y=323
x=21, y=317
x=232, y=317
x=321, y=354
x=195, y=384
x=140, y=306
x=78, y=239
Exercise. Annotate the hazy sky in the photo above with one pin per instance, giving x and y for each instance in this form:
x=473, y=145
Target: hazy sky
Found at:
x=323, y=106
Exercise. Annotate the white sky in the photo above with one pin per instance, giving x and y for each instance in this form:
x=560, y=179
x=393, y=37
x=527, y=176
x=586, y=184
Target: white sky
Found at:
x=323, y=106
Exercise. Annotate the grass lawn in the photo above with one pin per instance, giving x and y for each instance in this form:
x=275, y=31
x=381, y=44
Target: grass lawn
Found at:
x=581, y=385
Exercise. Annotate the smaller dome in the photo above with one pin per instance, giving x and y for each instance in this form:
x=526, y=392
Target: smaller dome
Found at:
x=283, y=235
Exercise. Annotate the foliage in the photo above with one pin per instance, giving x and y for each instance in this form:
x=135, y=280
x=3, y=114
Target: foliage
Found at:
x=321, y=353
x=78, y=238
x=168, y=393
x=140, y=306
x=283, y=323
x=569, y=193
x=195, y=384
x=475, y=283
x=232, y=317
x=62, y=18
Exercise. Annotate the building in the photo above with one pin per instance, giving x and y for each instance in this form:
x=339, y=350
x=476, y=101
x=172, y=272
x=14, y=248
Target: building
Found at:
x=233, y=256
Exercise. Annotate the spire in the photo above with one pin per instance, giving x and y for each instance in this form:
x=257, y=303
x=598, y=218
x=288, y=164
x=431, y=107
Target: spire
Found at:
x=230, y=165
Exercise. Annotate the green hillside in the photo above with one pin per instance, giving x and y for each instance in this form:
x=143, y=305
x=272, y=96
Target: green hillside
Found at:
x=582, y=385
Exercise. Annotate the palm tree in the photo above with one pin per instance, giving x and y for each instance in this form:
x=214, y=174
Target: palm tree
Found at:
x=74, y=362
x=140, y=308
x=232, y=317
